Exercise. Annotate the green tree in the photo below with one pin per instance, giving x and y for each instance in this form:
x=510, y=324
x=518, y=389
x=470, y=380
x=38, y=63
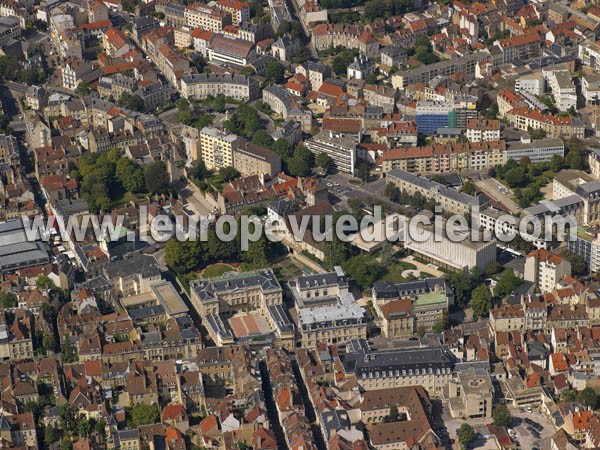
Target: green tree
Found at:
x=84, y=428
x=588, y=397
x=515, y=177
x=134, y=103
x=66, y=418
x=421, y=331
x=440, y=325
x=282, y=148
x=578, y=265
x=142, y=414
x=228, y=173
x=508, y=283
x=199, y=171
x=182, y=256
x=463, y=283
x=284, y=28
x=274, y=72
x=336, y=251
x=262, y=138
x=469, y=188
x=524, y=162
x=300, y=164
x=68, y=352
x=257, y=255
x=481, y=301
x=574, y=160
x=540, y=133
x=157, y=177
x=83, y=89
x=51, y=435
x=363, y=171
x=556, y=163
x=66, y=444
x=8, y=300
x=48, y=342
x=466, y=435
x=363, y=270
x=501, y=416
x=324, y=161
x=184, y=112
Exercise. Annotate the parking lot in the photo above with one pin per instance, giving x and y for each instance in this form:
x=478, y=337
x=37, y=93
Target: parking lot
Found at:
x=524, y=438
x=491, y=188
x=523, y=431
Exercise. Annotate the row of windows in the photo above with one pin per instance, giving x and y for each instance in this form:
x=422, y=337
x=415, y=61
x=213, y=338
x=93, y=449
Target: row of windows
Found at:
x=409, y=372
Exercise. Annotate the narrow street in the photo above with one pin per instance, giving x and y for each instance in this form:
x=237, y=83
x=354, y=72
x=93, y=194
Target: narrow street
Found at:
x=309, y=410
x=270, y=404
x=295, y=11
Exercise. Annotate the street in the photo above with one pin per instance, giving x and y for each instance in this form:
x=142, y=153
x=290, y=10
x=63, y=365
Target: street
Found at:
x=194, y=198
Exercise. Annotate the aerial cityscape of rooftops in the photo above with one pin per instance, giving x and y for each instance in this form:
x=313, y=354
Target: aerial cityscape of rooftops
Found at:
x=299, y=224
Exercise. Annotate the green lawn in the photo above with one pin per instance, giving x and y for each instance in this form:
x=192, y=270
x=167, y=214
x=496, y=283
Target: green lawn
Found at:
x=216, y=270
x=288, y=269
x=394, y=274
x=128, y=197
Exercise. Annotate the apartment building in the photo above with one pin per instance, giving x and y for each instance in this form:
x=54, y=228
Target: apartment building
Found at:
x=172, y=64
x=521, y=48
x=589, y=54
x=545, y=269
x=315, y=72
x=431, y=115
x=207, y=18
x=251, y=159
x=425, y=73
x=508, y=100
x=383, y=96
x=554, y=126
x=340, y=147
x=590, y=88
x=567, y=183
x=327, y=310
x=201, y=85
x=289, y=106
x=439, y=158
x=533, y=83
x=217, y=147
x=325, y=35
x=239, y=11
x=483, y=130
x=587, y=245
x=594, y=162
x=393, y=56
x=450, y=199
x=563, y=89
x=182, y=37
x=10, y=29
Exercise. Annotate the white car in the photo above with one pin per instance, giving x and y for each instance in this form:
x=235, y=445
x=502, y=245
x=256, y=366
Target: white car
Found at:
x=329, y=184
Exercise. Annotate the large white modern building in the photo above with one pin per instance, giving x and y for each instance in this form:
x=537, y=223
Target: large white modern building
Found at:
x=541, y=150
x=340, y=147
x=440, y=249
x=563, y=88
